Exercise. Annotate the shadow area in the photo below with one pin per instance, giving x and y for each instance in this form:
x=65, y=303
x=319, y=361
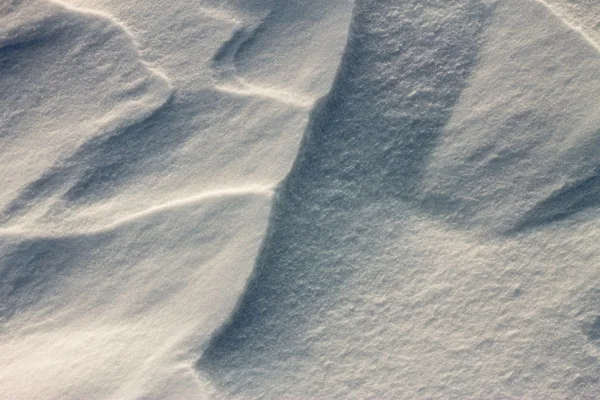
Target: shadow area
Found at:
x=361, y=161
x=36, y=269
x=569, y=200
x=105, y=165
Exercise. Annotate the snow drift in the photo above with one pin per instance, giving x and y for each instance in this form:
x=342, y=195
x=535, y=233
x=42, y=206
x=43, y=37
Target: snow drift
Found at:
x=298, y=199
x=435, y=237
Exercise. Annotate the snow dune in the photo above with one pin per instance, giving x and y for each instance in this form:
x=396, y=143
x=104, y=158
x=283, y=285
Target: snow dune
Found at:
x=535, y=161
x=299, y=199
x=52, y=59
x=436, y=236
x=137, y=185
x=118, y=313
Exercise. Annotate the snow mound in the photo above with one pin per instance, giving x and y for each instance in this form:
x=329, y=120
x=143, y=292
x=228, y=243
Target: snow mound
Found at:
x=521, y=147
x=436, y=236
x=201, y=201
x=52, y=59
x=116, y=313
x=135, y=204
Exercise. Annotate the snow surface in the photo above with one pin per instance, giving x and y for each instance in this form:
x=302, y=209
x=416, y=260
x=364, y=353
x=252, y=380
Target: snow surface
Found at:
x=297, y=199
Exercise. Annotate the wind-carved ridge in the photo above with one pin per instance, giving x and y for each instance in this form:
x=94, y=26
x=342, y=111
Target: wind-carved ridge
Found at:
x=565, y=20
x=223, y=65
x=124, y=28
x=224, y=193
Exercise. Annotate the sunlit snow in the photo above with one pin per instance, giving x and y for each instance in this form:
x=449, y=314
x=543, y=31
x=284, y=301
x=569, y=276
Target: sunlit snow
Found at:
x=299, y=199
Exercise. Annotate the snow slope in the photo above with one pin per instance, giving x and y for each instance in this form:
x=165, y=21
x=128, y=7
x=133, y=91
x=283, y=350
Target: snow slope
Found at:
x=138, y=182
x=183, y=216
x=436, y=236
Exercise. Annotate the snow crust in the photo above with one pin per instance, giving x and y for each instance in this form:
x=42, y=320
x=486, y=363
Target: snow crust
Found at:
x=292, y=199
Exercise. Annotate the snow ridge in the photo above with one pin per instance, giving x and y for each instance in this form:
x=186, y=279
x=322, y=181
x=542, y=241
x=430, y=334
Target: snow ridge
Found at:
x=413, y=247
x=429, y=228
x=134, y=205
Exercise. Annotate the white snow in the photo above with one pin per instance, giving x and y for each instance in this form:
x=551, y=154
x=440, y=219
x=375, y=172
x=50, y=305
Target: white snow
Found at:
x=297, y=199
x=138, y=182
